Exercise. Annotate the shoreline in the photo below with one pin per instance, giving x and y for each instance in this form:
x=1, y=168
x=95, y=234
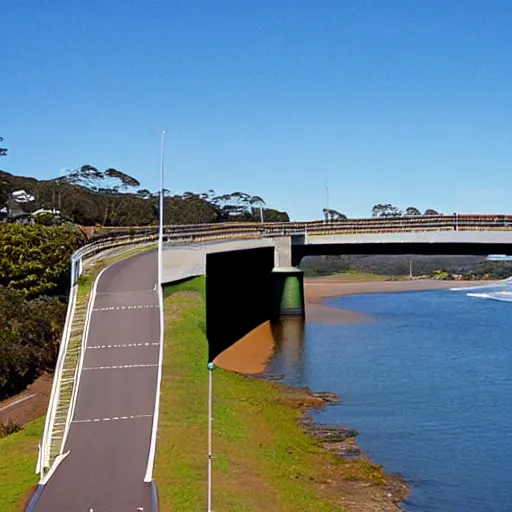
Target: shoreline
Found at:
x=250, y=357
x=251, y=354
x=318, y=289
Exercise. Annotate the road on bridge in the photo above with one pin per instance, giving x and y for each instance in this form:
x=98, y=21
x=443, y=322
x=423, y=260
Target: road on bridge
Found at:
x=110, y=432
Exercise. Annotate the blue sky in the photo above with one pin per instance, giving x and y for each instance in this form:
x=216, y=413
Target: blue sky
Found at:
x=396, y=101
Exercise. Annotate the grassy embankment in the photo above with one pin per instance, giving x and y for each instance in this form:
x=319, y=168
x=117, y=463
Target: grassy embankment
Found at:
x=262, y=458
x=18, y=452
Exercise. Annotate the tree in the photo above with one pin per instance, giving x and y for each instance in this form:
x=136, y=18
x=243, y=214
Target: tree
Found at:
x=272, y=215
x=5, y=190
x=430, y=211
x=89, y=197
x=3, y=151
x=237, y=206
x=29, y=338
x=35, y=259
x=333, y=215
x=87, y=176
x=411, y=211
x=386, y=210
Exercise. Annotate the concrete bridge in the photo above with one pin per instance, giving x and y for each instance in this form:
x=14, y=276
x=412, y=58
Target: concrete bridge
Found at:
x=252, y=272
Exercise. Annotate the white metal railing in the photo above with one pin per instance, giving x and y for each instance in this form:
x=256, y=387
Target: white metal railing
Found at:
x=77, y=262
x=194, y=232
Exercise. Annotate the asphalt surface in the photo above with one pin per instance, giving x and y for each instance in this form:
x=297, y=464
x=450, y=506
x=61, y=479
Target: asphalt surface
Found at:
x=110, y=434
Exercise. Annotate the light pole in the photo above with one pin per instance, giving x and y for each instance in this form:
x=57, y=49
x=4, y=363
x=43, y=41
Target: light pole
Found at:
x=327, y=191
x=161, y=211
x=211, y=367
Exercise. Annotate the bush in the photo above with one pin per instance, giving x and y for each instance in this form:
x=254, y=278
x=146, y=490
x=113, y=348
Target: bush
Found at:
x=8, y=428
x=35, y=259
x=30, y=332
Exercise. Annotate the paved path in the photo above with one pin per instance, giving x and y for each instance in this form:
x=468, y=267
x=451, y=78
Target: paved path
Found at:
x=111, y=429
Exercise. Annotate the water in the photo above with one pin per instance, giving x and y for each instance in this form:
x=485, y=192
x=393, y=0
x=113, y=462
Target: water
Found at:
x=428, y=385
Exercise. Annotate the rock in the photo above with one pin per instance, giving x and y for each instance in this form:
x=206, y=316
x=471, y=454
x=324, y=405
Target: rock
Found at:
x=271, y=376
x=327, y=397
x=333, y=434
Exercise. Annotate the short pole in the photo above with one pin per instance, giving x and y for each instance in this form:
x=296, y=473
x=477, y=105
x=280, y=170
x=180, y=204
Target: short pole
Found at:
x=211, y=367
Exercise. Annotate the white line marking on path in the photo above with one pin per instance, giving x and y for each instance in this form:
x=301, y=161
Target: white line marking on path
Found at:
x=120, y=308
x=126, y=345
x=115, y=418
x=121, y=367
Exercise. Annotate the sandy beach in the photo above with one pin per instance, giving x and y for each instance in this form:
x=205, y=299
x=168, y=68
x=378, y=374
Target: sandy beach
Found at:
x=320, y=288
x=251, y=354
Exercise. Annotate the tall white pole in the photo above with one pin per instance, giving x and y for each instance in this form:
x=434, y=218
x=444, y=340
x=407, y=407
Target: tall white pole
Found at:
x=326, y=190
x=211, y=367
x=161, y=211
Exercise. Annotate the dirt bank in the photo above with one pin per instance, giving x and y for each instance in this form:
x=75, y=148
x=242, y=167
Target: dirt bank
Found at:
x=29, y=404
x=251, y=354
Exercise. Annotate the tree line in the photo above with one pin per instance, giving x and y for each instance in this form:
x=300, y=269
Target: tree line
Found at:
x=435, y=266
x=390, y=210
x=34, y=284
x=380, y=210
x=88, y=196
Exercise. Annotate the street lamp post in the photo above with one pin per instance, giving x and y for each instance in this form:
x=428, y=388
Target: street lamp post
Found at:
x=211, y=367
x=161, y=210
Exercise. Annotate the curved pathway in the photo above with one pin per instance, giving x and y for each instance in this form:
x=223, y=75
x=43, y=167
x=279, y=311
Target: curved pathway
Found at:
x=110, y=431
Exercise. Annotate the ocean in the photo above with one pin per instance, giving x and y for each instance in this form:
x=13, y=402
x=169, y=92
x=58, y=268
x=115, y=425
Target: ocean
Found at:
x=427, y=383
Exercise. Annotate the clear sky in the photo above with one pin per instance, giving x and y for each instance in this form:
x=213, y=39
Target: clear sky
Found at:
x=396, y=101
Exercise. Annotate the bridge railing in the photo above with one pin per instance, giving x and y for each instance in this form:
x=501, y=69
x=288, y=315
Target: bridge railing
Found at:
x=176, y=234
x=455, y=222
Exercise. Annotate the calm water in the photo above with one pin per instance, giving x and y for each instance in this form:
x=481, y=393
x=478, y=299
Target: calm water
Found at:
x=428, y=385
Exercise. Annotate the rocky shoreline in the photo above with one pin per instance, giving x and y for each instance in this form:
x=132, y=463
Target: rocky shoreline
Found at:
x=385, y=491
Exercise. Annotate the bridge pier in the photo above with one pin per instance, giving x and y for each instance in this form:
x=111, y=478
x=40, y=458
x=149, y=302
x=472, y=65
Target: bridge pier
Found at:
x=287, y=283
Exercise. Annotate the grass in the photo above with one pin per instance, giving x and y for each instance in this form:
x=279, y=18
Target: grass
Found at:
x=262, y=458
x=352, y=275
x=355, y=275
x=17, y=464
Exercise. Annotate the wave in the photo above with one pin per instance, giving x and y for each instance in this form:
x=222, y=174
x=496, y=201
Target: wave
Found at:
x=504, y=283
x=501, y=290
x=503, y=296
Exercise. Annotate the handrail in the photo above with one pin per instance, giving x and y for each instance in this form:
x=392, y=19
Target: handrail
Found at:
x=76, y=265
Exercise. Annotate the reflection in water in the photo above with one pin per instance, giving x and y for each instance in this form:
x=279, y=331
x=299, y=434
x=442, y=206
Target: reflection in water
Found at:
x=288, y=357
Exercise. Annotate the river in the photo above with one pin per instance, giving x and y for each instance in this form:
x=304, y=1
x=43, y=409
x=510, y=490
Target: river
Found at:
x=427, y=383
